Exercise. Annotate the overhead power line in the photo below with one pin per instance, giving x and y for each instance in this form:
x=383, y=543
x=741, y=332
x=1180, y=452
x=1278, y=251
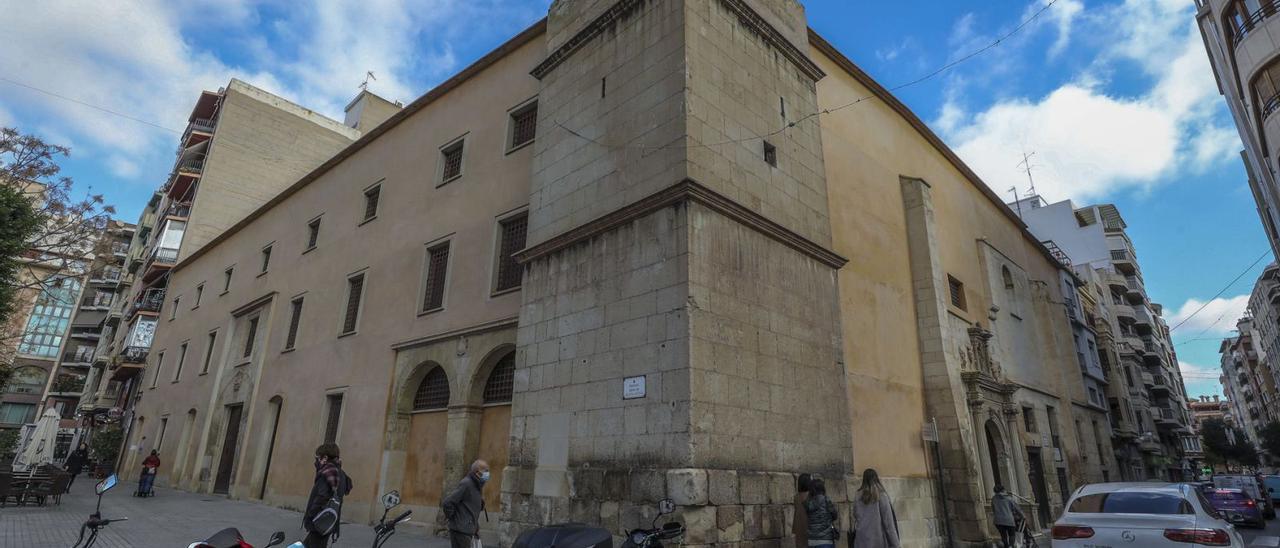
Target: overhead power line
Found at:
x=90, y=105
x=1223, y=290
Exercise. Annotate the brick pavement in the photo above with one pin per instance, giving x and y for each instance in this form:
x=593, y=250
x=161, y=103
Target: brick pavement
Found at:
x=171, y=519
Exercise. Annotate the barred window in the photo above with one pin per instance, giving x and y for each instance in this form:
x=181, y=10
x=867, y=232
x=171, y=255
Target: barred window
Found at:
x=437, y=268
x=335, y=415
x=956, y=288
x=512, y=239
x=433, y=391
x=501, y=379
x=313, y=233
x=524, y=124
x=770, y=154
x=371, y=197
x=355, y=287
x=452, y=161
x=294, y=318
x=249, y=337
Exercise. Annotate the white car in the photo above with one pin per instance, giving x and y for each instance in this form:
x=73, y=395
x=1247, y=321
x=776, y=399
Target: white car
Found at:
x=1138, y=515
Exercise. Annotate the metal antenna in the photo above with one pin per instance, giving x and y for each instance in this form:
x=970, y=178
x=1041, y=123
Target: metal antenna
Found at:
x=368, y=75
x=1026, y=166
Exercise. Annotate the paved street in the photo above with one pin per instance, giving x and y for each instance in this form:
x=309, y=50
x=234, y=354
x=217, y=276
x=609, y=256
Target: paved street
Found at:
x=171, y=518
x=1263, y=537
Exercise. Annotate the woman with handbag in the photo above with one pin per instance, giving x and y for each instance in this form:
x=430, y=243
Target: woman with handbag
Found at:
x=822, y=517
x=875, y=523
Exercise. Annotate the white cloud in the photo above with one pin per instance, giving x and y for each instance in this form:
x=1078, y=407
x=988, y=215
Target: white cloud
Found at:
x=1063, y=16
x=1218, y=318
x=122, y=167
x=1200, y=380
x=1091, y=142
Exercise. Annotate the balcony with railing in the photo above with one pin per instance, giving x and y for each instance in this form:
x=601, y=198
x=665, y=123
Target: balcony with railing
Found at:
x=80, y=357
x=90, y=333
x=1124, y=261
x=96, y=300
x=184, y=177
x=180, y=210
x=149, y=302
x=67, y=385
x=106, y=275
x=1160, y=385
x=198, y=130
x=1135, y=286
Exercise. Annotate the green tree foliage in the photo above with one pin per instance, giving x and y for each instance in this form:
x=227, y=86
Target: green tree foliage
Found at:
x=8, y=443
x=1271, y=438
x=18, y=225
x=1218, y=448
x=106, y=444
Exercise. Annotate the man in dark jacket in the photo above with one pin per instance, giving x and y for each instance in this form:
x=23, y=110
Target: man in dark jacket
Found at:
x=331, y=482
x=463, y=506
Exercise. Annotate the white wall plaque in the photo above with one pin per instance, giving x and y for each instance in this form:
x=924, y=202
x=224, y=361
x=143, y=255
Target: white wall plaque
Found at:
x=633, y=387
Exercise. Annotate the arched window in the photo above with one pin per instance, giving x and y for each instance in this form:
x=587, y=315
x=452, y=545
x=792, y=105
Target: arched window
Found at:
x=498, y=388
x=433, y=391
x=1007, y=277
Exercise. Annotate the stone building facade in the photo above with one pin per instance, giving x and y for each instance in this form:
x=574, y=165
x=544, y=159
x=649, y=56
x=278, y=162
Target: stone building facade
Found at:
x=633, y=263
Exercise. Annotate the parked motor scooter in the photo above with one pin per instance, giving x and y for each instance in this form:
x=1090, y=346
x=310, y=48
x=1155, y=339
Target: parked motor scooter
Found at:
x=576, y=535
x=231, y=538
x=383, y=530
x=96, y=522
x=654, y=535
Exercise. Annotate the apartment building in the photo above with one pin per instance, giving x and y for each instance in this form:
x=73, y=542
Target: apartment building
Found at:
x=593, y=280
x=74, y=368
x=36, y=336
x=1152, y=391
x=1238, y=35
x=241, y=148
x=1245, y=382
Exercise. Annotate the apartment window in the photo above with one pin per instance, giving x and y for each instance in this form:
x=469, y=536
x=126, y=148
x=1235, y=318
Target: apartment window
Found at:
x=433, y=285
x=371, y=202
x=1029, y=419
x=351, y=316
x=173, y=314
x=1006, y=277
x=313, y=233
x=956, y=287
x=511, y=236
x=155, y=379
x=208, y=353
x=182, y=358
x=451, y=161
x=249, y=336
x=199, y=295
x=295, y=316
x=433, y=391
x=1266, y=90
x=334, y=416
x=770, y=154
x=524, y=125
x=164, y=425
x=266, y=259
x=499, y=387
x=226, y=279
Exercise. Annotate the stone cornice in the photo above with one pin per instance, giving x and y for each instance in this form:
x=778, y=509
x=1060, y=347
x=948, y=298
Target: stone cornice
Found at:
x=465, y=331
x=687, y=190
x=747, y=16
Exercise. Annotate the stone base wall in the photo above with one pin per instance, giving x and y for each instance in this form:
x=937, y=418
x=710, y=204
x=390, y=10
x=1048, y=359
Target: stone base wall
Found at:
x=718, y=507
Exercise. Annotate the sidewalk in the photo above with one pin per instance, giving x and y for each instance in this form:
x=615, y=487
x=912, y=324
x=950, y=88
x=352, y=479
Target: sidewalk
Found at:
x=171, y=518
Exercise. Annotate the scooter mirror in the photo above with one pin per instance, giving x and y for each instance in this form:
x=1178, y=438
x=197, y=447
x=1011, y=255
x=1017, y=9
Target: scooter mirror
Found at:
x=106, y=484
x=665, y=506
x=391, y=499
x=276, y=538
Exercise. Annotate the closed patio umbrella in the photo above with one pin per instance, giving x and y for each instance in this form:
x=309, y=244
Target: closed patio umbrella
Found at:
x=39, y=449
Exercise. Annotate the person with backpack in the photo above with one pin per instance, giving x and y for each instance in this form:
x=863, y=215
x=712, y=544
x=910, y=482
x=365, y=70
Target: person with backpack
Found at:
x=324, y=505
x=875, y=522
x=821, y=516
x=463, y=506
x=1006, y=514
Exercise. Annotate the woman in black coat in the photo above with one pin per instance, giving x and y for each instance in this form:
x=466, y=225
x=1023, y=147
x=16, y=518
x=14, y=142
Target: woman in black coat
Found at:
x=76, y=463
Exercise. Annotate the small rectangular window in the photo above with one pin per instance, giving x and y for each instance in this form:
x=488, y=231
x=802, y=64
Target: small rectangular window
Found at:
x=250, y=336
x=334, y=416
x=313, y=233
x=956, y=289
x=199, y=295
x=524, y=124
x=511, y=240
x=226, y=279
x=173, y=314
x=437, y=268
x=371, y=202
x=295, y=316
x=1029, y=419
x=451, y=160
x=351, y=317
x=266, y=258
x=208, y=352
x=770, y=154
x=182, y=357
x=155, y=379
x=164, y=427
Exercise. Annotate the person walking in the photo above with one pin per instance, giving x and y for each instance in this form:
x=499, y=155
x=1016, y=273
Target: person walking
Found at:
x=875, y=522
x=76, y=462
x=800, y=518
x=821, y=516
x=463, y=506
x=1006, y=513
x=331, y=483
x=150, y=466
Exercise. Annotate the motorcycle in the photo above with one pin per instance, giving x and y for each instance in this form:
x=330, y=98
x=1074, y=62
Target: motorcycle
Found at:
x=576, y=535
x=96, y=522
x=654, y=535
x=383, y=530
x=231, y=538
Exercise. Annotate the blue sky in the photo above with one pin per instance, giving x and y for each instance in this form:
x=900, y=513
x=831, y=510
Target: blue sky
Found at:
x=1115, y=98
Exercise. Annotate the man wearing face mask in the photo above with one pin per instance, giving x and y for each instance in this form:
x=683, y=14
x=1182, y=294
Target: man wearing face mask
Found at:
x=331, y=483
x=463, y=506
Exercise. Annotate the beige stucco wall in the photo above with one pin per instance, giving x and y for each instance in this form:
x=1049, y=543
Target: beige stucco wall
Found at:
x=390, y=250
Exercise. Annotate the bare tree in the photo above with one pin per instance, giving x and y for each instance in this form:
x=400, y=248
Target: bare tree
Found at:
x=46, y=233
